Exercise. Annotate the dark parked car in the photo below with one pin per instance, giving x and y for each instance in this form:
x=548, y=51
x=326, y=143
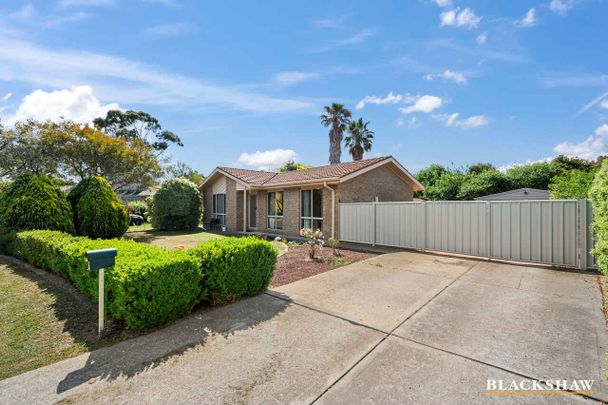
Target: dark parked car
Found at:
x=137, y=219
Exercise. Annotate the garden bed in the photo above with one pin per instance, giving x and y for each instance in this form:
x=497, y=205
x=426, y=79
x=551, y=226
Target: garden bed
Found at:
x=294, y=265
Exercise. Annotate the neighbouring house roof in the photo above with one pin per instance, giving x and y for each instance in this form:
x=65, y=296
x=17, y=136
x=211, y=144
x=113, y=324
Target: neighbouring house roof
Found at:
x=517, y=194
x=329, y=173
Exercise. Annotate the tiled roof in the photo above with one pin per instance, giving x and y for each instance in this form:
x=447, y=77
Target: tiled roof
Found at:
x=254, y=177
x=259, y=178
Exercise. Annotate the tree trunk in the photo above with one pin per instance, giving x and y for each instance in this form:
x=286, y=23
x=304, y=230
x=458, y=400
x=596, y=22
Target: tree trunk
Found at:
x=357, y=154
x=335, y=146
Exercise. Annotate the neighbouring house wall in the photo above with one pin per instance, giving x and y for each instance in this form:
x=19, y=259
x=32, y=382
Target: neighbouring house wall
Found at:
x=381, y=182
x=207, y=205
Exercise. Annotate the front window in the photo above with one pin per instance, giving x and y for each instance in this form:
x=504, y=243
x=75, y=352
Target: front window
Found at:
x=311, y=210
x=275, y=210
x=219, y=208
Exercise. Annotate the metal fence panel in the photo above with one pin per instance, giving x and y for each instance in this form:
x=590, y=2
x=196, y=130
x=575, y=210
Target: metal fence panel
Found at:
x=552, y=232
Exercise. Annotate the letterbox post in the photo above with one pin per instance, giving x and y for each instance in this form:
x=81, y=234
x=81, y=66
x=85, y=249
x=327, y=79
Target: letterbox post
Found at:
x=100, y=260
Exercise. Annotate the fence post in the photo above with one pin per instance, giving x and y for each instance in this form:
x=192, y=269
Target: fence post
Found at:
x=424, y=226
x=488, y=238
x=582, y=234
x=374, y=205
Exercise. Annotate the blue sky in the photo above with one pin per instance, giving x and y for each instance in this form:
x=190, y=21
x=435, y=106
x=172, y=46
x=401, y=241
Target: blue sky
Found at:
x=450, y=82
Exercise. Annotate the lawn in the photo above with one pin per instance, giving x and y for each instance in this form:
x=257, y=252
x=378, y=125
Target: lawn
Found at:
x=182, y=239
x=172, y=239
x=44, y=320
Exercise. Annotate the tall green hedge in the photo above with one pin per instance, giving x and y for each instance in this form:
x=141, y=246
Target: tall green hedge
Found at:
x=34, y=202
x=98, y=213
x=235, y=267
x=149, y=286
x=599, y=199
x=176, y=205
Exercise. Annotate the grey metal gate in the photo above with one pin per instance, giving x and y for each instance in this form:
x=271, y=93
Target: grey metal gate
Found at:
x=551, y=232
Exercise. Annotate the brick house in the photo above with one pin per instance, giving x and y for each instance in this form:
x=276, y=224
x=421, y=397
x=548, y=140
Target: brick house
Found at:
x=284, y=203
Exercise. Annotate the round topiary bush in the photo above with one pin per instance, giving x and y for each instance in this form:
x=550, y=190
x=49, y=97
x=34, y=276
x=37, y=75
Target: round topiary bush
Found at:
x=176, y=205
x=35, y=202
x=98, y=213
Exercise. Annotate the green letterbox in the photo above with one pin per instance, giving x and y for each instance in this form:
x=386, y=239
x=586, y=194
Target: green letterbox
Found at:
x=101, y=259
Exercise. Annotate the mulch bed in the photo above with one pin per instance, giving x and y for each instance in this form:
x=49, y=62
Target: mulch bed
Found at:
x=294, y=265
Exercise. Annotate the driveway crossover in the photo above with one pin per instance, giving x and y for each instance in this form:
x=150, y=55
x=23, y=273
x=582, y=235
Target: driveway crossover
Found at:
x=401, y=327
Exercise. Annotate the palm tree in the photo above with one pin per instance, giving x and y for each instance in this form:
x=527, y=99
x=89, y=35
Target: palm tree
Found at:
x=360, y=139
x=337, y=118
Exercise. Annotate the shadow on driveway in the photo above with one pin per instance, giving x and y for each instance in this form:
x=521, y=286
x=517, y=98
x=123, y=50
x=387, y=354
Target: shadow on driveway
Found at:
x=134, y=356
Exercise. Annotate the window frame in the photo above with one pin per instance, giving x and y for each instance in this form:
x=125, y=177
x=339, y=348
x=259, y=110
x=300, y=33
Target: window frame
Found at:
x=215, y=214
x=310, y=218
x=275, y=218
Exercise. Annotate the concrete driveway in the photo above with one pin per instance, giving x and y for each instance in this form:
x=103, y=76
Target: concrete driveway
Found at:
x=398, y=328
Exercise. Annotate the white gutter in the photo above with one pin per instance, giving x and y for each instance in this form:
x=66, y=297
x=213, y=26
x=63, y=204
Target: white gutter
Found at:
x=333, y=209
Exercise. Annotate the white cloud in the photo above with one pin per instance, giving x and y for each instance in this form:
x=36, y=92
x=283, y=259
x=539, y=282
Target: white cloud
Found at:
x=170, y=30
x=591, y=148
x=411, y=123
x=603, y=104
x=391, y=98
x=450, y=75
x=452, y=120
x=76, y=104
x=286, y=79
x=331, y=22
x=592, y=103
x=355, y=39
x=24, y=12
x=127, y=81
x=70, y=3
x=482, y=38
x=6, y=96
x=268, y=159
x=425, y=104
x=166, y=3
x=443, y=3
x=561, y=7
x=465, y=18
x=529, y=19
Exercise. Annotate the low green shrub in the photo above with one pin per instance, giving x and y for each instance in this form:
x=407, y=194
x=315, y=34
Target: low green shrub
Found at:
x=98, y=213
x=147, y=287
x=599, y=199
x=235, y=267
x=34, y=202
x=176, y=205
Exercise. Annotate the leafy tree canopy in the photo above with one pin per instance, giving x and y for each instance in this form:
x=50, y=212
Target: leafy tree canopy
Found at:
x=446, y=187
x=483, y=183
x=572, y=185
x=180, y=169
x=480, y=167
x=132, y=125
x=292, y=165
x=535, y=175
x=429, y=176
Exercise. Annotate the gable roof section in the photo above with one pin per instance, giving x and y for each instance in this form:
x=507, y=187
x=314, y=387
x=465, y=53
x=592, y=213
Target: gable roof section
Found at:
x=339, y=172
x=517, y=194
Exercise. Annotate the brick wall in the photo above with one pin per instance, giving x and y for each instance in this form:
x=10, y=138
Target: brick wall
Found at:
x=381, y=182
x=231, y=205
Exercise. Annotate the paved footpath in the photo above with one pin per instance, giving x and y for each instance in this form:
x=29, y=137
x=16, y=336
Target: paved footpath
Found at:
x=397, y=328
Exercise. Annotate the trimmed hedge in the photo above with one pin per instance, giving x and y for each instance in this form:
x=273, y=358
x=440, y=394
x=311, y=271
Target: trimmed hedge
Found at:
x=235, y=267
x=34, y=202
x=599, y=199
x=98, y=213
x=176, y=205
x=148, y=287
